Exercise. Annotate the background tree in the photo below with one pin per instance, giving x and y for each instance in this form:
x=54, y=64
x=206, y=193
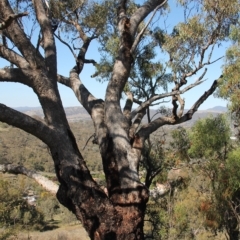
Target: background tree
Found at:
x=229, y=84
x=119, y=133
x=219, y=163
x=16, y=213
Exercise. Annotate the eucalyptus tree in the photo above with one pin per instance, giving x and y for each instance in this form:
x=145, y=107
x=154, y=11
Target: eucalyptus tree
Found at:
x=130, y=45
x=229, y=84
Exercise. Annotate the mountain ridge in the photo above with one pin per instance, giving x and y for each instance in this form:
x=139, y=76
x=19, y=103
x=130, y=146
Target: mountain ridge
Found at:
x=78, y=113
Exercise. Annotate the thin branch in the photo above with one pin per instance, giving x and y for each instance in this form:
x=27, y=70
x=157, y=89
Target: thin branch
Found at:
x=16, y=34
x=139, y=36
x=80, y=59
x=92, y=136
x=160, y=96
x=65, y=43
x=147, y=129
x=90, y=61
x=195, y=107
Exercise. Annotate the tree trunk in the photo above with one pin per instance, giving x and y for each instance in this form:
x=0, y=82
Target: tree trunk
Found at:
x=118, y=215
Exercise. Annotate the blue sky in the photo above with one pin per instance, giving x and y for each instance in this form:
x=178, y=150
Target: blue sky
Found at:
x=18, y=95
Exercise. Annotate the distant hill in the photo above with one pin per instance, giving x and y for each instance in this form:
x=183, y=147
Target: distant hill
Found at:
x=217, y=109
x=75, y=114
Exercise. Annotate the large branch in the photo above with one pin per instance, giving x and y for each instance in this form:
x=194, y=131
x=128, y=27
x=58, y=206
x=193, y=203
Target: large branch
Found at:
x=6, y=22
x=14, y=75
x=47, y=94
x=139, y=36
x=94, y=106
x=177, y=98
x=47, y=184
x=142, y=13
x=160, y=96
x=115, y=120
x=26, y=123
x=81, y=92
x=198, y=103
x=48, y=37
x=13, y=57
x=147, y=129
x=16, y=34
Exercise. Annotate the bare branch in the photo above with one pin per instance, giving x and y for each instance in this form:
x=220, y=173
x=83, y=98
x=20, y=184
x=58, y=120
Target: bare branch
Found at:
x=80, y=59
x=13, y=57
x=64, y=80
x=14, y=75
x=142, y=13
x=139, y=36
x=47, y=184
x=94, y=106
x=160, y=96
x=6, y=22
x=48, y=38
x=147, y=129
x=16, y=34
x=65, y=43
x=90, y=61
x=26, y=123
x=151, y=174
x=81, y=92
x=182, y=104
x=198, y=103
x=122, y=9
x=135, y=100
x=151, y=127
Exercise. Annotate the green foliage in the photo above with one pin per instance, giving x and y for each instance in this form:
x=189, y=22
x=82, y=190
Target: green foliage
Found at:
x=16, y=213
x=48, y=205
x=232, y=168
x=156, y=219
x=180, y=143
x=209, y=137
x=22, y=148
x=202, y=203
x=229, y=84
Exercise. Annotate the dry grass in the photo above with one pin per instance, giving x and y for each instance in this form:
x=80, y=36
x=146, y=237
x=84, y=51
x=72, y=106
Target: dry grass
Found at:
x=74, y=232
